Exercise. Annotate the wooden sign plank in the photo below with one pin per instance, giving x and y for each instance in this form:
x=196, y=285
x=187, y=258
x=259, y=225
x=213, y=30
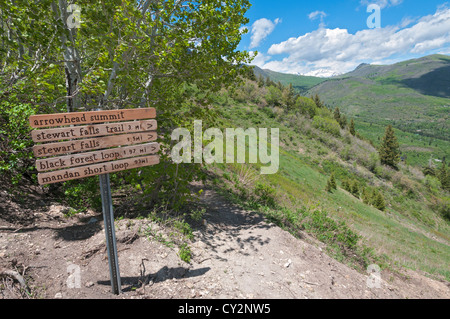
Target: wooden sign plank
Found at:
x=51, y=149
x=96, y=169
x=91, y=117
x=66, y=133
x=88, y=158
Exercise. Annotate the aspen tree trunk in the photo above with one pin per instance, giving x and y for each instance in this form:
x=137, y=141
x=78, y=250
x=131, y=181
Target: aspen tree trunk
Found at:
x=72, y=61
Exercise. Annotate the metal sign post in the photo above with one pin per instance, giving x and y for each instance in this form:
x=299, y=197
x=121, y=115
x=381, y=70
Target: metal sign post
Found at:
x=82, y=144
x=108, y=218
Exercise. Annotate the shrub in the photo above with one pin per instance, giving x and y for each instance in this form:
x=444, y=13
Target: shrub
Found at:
x=16, y=157
x=346, y=185
x=185, y=253
x=327, y=229
x=273, y=96
x=327, y=125
x=428, y=170
x=306, y=106
x=266, y=194
x=373, y=162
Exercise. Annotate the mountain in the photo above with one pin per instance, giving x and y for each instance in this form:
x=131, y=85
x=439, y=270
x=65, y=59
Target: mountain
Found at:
x=412, y=95
x=413, y=230
x=301, y=83
x=429, y=75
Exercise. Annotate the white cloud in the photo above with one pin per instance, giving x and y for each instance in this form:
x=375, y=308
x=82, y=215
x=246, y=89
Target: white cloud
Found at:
x=429, y=45
x=261, y=29
x=444, y=50
x=327, y=52
x=314, y=15
x=318, y=14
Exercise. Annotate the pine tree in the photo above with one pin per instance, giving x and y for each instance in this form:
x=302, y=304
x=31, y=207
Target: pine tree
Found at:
x=261, y=81
x=379, y=202
x=365, y=196
x=318, y=102
x=444, y=176
x=337, y=115
x=346, y=185
x=328, y=187
x=389, y=150
x=430, y=169
x=352, y=128
x=333, y=181
x=343, y=121
x=354, y=189
x=289, y=96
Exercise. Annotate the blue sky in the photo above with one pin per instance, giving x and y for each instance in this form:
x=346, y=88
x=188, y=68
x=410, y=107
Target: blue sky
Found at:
x=325, y=38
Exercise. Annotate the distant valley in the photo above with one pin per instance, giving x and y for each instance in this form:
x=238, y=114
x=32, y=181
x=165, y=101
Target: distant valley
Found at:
x=413, y=96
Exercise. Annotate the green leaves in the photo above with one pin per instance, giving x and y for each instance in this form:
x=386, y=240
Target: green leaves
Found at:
x=171, y=55
x=15, y=139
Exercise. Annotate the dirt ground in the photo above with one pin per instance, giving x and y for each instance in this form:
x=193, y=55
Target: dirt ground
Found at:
x=236, y=254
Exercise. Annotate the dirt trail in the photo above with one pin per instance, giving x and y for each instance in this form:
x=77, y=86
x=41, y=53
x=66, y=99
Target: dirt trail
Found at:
x=237, y=254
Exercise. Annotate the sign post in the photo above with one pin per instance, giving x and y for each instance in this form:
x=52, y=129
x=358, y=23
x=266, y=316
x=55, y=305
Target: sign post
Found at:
x=108, y=219
x=95, y=143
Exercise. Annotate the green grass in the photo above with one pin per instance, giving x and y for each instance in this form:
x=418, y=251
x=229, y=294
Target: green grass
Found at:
x=408, y=233
x=416, y=148
x=382, y=95
x=301, y=83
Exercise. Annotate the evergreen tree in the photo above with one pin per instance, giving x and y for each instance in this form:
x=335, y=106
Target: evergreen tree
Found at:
x=346, y=185
x=261, y=81
x=354, y=189
x=318, y=102
x=337, y=115
x=444, y=176
x=328, y=187
x=289, y=96
x=389, y=150
x=343, y=121
x=332, y=181
x=365, y=196
x=379, y=202
x=352, y=128
x=280, y=86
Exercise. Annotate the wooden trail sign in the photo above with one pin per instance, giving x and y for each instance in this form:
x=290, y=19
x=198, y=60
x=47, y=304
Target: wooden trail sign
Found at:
x=80, y=118
x=88, y=158
x=92, y=144
x=66, y=133
x=96, y=169
x=120, y=142
x=108, y=143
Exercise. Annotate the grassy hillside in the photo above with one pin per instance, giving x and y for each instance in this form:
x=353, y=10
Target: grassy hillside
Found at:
x=411, y=231
x=301, y=83
x=413, y=96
